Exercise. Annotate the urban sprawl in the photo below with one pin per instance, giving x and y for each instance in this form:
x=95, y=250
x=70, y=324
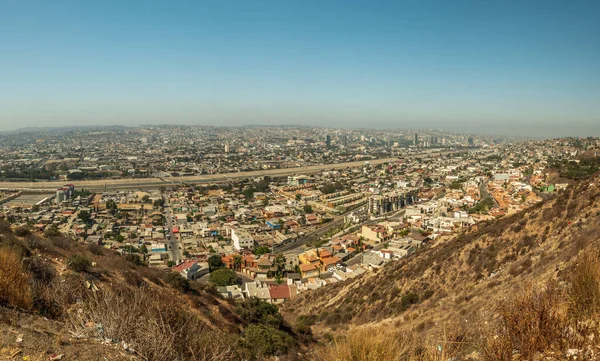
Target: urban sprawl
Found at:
x=270, y=212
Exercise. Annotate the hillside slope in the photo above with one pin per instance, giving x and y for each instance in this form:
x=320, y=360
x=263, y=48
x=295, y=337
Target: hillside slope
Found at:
x=63, y=300
x=460, y=280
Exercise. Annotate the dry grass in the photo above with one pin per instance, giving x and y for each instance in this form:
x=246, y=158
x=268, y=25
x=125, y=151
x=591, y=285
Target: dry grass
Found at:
x=153, y=325
x=382, y=345
x=585, y=287
x=15, y=288
x=529, y=323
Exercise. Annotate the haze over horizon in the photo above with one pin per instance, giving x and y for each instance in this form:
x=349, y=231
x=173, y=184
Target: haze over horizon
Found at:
x=504, y=67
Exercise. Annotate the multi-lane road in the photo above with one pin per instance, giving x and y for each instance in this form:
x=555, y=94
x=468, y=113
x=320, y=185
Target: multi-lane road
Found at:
x=138, y=183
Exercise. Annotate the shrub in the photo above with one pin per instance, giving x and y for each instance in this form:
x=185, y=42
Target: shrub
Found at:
x=14, y=280
x=16, y=245
x=22, y=231
x=62, y=242
x=264, y=341
x=169, y=331
x=177, y=281
x=254, y=311
x=529, y=323
x=51, y=232
x=408, y=299
x=79, y=263
x=427, y=294
x=133, y=279
x=96, y=249
x=135, y=259
x=41, y=270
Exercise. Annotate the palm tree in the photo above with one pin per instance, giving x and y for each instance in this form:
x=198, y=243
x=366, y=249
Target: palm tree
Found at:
x=237, y=262
x=279, y=263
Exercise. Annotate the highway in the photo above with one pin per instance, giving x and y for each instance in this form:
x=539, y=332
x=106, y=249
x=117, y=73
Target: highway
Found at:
x=139, y=183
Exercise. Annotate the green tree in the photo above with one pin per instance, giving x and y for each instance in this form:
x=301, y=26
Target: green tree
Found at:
x=223, y=277
x=298, y=196
x=215, y=262
x=308, y=208
x=260, y=250
x=279, y=264
x=111, y=206
x=85, y=216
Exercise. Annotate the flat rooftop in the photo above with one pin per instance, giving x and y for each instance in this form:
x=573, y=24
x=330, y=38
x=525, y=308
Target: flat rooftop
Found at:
x=27, y=200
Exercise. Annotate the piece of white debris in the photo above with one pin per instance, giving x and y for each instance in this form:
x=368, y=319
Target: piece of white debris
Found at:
x=572, y=352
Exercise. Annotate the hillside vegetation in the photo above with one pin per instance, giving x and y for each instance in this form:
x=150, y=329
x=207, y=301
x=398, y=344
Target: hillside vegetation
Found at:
x=519, y=287
x=58, y=297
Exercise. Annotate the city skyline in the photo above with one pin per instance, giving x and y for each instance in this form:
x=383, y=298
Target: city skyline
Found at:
x=507, y=68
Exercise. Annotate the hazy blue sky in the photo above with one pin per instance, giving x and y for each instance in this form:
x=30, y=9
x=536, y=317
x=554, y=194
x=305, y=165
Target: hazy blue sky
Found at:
x=518, y=67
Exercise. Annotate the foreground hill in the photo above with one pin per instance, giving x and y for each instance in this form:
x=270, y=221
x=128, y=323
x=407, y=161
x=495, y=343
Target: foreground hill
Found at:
x=448, y=291
x=64, y=300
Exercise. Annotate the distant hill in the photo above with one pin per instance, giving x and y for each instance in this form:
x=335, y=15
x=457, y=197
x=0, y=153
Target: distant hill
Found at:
x=462, y=289
x=66, y=129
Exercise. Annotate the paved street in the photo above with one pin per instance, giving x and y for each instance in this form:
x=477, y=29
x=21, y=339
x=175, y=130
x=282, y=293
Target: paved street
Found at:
x=172, y=241
x=485, y=193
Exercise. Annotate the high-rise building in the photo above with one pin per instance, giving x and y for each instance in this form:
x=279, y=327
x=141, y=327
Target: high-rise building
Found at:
x=391, y=201
x=226, y=147
x=416, y=139
x=471, y=141
x=328, y=141
x=60, y=195
x=345, y=140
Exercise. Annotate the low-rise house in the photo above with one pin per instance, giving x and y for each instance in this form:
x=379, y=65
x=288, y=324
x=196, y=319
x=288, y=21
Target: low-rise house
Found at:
x=191, y=270
x=234, y=292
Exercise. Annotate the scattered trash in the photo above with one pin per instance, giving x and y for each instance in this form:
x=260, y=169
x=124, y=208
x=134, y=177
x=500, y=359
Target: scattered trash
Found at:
x=20, y=338
x=56, y=357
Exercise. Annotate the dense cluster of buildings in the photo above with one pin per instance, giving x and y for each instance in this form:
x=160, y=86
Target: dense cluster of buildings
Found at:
x=281, y=235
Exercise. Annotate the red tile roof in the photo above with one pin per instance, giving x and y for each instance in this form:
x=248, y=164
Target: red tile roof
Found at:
x=280, y=291
x=183, y=266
